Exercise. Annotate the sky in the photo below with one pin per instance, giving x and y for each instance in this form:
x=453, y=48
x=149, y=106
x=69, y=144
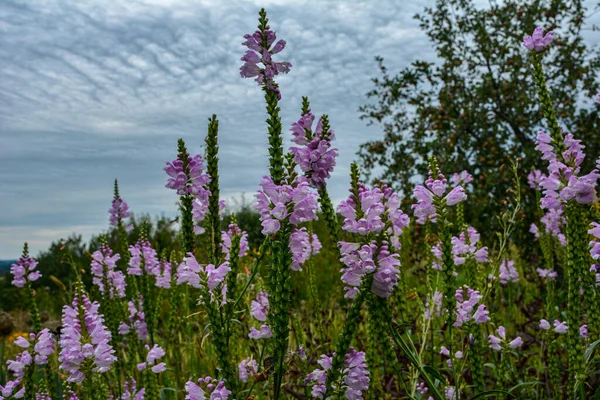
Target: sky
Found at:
x=97, y=90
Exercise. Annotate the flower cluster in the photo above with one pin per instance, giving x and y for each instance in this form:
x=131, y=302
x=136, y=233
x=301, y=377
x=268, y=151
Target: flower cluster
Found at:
x=154, y=354
x=143, y=256
x=246, y=368
x=465, y=308
x=497, y=342
x=84, y=336
x=559, y=327
x=278, y=202
x=137, y=320
x=260, y=50
x=193, y=182
x=302, y=247
x=594, y=244
x=435, y=190
x=435, y=308
x=547, y=274
x=538, y=41
x=361, y=261
x=466, y=246
x=189, y=272
x=508, y=272
x=316, y=158
x=131, y=392
x=103, y=268
x=43, y=347
x=355, y=376
x=164, y=276
x=24, y=271
x=218, y=390
x=259, y=309
x=118, y=211
x=563, y=182
x=378, y=210
x=227, y=236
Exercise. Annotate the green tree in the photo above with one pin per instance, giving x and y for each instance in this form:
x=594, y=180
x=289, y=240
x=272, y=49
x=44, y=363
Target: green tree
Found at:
x=475, y=106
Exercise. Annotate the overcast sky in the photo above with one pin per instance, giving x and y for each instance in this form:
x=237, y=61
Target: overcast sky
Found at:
x=97, y=90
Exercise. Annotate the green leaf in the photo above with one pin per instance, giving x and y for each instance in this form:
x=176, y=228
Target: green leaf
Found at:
x=587, y=355
x=433, y=372
x=489, y=393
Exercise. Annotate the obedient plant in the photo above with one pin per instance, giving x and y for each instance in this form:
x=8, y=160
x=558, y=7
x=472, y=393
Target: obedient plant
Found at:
x=158, y=314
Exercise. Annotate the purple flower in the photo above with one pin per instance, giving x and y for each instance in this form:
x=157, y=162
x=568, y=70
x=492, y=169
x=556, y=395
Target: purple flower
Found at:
x=465, y=308
x=545, y=325
x=547, y=274
x=560, y=327
x=508, y=273
x=24, y=271
x=259, y=54
x=279, y=202
x=189, y=272
x=260, y=307
x=535, y=179
x=263, y=333
x=463, y=178
x=355, y=376
x=143, y=259
x=154, y=355
x=302, y=247
x=437, y=305
x=226, y=238
x=137, y=320
x=131, y=392
x=78, y=344
x=424, y=209
x=538, y=41
x=195, y=392
x=359, y=262
x=466, y=246
x=316, y=158
x=515, y=343
x=118, y=211
x=103, y=268
x=583, y=331
x=246, y=368
x=163, y=275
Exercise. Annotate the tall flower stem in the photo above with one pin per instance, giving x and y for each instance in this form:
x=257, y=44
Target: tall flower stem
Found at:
x=212, y=168
x=577, y=257
x=186, y=203
x=345, y=337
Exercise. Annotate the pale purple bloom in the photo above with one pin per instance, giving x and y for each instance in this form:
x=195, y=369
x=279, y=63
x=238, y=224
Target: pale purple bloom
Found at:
x=103, y=268
x=263, y=333
x=465, y=308
x=163, y=275
x=131, y=392
x=302, y=247
x=359, y=262
x=246, y=368
x=76, y=348
x=355, y=376
x=137, y=320
x=462, y=178
x=275, y=201
x=258, y=54
x=508, y=273
x=226, y=237
x=450, y=393
x=560, y=327
x=154, y=354
x=260, y=307
x=424, y=209
x=316, y=158
x=195, y=392
x=517, y=342
x=444, y=351
x=583, y=331
x=118, y=211
x=189, y=272
x=467, y=246
x=547, y=274
x=545, y=325
x=437, y=305
x=538, y=41
x=143, y=259
x=24, y=271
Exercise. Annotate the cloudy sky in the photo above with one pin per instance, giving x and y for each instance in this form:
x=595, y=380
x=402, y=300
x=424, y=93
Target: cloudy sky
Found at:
x=97, y=90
